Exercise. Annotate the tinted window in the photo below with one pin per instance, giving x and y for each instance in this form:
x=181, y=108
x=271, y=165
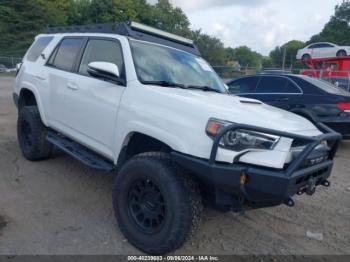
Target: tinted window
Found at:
x=101, y=51
x=325, y=86
x=314, y=46
x=270, y=84
x=290, y=88
x=243, y=85
x=38, y=47
x=325, y=45
x=67, y=53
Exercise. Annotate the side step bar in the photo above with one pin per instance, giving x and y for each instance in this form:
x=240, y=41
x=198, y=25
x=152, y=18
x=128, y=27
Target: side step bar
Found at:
x=81, y=153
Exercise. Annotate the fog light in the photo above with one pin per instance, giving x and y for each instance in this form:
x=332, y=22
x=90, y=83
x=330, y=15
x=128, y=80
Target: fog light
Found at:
x=242, y=179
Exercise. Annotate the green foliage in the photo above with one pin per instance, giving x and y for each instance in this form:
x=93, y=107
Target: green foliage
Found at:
x=20, y=21
x=211, y=48
x=290, y=48
x=245, y=56
x=337, y=30
x=167, y=17
x=267, y=62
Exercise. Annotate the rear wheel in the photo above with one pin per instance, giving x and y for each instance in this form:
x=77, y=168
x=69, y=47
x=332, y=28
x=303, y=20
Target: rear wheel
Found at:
x=156, y=205
x=341, y=53
x=31, y=134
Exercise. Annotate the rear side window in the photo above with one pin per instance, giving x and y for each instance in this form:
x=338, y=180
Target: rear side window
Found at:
x=314, y=46
x=269, y=84
x=98, y=50
x=38, y=47
x=291, y=88
x=326, y=86
x=243, y=85
x=325, y=45
x=67, y=53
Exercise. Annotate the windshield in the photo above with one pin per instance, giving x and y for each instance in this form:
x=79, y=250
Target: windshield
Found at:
x=155, y=63
x=326, y=86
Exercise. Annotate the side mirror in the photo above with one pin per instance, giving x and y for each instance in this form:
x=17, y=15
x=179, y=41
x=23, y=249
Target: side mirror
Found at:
x=105, y=71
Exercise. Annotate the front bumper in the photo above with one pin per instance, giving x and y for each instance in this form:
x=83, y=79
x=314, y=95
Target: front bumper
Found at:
x=264, y=186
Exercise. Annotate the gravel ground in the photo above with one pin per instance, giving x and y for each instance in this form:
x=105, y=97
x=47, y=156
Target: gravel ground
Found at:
x=58, y=206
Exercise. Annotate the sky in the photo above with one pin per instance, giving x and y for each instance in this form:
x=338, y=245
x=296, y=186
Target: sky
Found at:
x=260, y=24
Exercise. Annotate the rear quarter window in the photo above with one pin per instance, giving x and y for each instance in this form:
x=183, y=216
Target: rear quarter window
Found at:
x=65, y=55
x=38, y=47
x=326, y=86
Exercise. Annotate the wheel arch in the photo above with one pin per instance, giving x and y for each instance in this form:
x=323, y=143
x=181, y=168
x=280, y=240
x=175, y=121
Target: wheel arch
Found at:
x=137, y=143
x=28, y=96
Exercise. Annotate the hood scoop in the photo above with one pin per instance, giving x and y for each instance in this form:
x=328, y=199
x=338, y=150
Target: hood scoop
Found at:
x=255, y=102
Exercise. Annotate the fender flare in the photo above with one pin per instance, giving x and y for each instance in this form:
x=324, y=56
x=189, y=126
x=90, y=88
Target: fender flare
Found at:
x=38, y=102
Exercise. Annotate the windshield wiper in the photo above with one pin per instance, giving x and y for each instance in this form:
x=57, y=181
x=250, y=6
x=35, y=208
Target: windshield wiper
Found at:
x=204, y=88
x=164, y=83
x=173, y=84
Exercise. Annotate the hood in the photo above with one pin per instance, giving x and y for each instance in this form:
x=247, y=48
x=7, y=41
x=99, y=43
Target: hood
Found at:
x=235, y=109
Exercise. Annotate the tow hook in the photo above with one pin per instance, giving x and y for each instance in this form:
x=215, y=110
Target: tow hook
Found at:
x=289, y=202
x=326, y=183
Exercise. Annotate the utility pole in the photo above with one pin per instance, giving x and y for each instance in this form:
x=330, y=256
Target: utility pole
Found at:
x=284, y=58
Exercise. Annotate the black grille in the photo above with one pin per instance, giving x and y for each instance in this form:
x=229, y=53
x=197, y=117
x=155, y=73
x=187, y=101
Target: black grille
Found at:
x=314, y=174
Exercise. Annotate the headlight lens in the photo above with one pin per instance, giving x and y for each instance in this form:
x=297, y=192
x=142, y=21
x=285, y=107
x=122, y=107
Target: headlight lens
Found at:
x=240, y=139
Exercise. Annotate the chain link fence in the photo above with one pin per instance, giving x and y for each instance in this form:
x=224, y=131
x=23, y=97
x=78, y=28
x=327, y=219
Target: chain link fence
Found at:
x=8, y=64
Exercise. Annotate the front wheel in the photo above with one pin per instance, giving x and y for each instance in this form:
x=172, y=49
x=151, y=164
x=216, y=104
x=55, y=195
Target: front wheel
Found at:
x=306, y=57
x=157, y=206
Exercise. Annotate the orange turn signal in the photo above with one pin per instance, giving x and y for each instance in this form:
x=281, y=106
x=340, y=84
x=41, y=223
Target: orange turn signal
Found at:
x=212, y=128
x=242, y=179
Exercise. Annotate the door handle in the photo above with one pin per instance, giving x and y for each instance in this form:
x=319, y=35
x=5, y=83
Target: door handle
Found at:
x=41, y=77
x=72, y=86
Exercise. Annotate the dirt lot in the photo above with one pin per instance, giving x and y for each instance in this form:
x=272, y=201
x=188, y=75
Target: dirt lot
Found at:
x=60, y=207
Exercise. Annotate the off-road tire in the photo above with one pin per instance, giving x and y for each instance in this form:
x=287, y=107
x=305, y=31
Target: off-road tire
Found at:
x=182, y=203
x=31, y=134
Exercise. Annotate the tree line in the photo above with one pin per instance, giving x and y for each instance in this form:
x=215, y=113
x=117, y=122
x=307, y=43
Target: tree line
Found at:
x=21, y=20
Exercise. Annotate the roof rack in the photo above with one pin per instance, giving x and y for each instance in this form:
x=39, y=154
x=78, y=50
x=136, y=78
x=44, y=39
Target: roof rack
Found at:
x=134, y=30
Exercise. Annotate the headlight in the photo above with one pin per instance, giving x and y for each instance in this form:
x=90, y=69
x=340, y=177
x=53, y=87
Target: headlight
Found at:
x=241, y=139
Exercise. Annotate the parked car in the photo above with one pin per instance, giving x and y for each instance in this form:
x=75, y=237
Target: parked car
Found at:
x=2, y=68
x=314, y=99
x=10, y=70
x=140, y=102
x=322, y=50
x=342, y=82
x=275, y=71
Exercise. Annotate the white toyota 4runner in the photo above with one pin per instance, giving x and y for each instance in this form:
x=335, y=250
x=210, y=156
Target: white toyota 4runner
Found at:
x=142, y=103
